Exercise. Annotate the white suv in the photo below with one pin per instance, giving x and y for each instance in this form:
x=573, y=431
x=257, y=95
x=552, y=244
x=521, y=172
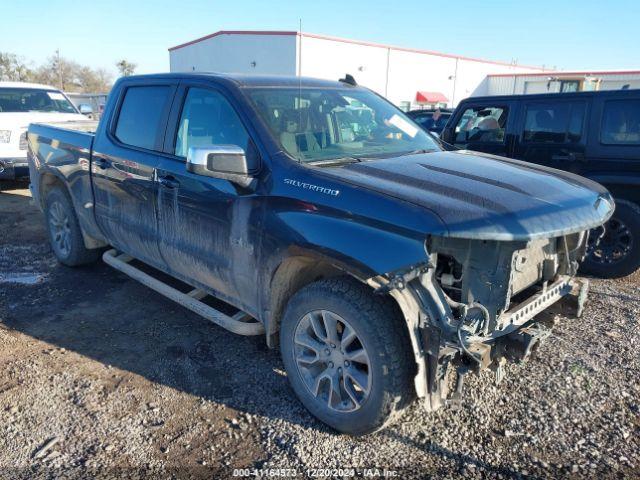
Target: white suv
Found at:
x=20, y=105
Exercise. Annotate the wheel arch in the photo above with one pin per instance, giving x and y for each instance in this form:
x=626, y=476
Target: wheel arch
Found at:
x=48, y=181
x=297, y=271
x=292, y=274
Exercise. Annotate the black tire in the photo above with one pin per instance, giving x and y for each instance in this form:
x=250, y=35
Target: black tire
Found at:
x=627, y=215
x=73, y=253
x=381, y=331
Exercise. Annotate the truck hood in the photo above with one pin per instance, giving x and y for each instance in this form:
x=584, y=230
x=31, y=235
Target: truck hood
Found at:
x=18, y=122
x=479, y=196
x=21, y=120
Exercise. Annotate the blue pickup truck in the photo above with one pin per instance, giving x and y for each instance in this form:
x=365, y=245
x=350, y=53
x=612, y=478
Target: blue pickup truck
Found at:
x=383, y=267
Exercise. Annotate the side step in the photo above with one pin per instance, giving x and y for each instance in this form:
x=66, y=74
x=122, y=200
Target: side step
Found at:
x=191, y=300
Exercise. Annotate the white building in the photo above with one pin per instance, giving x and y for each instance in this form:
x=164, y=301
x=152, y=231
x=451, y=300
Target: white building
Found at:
x=408, y=77
x=556, y=82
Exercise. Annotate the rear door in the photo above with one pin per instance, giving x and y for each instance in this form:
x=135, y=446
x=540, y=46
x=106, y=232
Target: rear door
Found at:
x=551, y=132
x=123, y=165
x=208, y=226
x=482, y=127
x=613, y=149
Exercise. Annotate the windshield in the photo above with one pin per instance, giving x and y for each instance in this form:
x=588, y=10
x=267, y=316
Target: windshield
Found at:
x=328, y=124
x=34, y=100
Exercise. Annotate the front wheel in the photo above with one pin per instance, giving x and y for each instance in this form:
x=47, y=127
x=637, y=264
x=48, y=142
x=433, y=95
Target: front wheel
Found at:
x=347, y=355
x=614, y=249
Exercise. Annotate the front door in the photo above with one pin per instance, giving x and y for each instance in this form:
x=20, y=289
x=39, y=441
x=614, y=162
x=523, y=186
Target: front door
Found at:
x=208, y=226
x=123, y=171
x=551, y=134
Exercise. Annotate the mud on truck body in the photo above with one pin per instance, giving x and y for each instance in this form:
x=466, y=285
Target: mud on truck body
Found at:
x=380, y=264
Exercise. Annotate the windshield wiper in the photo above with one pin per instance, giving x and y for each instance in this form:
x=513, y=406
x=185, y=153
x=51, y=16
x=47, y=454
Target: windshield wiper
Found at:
x=417, y=152
x=335, y=161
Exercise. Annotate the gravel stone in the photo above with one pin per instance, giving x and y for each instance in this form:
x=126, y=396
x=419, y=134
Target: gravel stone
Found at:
x=571, y=410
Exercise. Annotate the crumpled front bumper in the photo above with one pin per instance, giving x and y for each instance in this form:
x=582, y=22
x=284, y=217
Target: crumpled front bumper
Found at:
x=497, y=315
x=522, y=328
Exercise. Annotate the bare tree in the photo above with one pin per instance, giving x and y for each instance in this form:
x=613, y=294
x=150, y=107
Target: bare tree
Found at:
x=93, y=81
x=13, y=68
x=126, y=68
x=59, y=71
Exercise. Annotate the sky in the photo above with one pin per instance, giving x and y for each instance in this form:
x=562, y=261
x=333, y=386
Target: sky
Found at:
x=565, y=34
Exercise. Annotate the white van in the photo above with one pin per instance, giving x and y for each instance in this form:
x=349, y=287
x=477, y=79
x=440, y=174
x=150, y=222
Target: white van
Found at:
x=20, y=105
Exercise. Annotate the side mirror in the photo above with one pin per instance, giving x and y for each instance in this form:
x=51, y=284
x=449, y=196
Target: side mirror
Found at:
x=85, y=109
x=222, y=161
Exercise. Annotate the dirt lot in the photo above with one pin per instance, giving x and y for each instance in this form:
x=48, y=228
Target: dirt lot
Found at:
x=101, y=376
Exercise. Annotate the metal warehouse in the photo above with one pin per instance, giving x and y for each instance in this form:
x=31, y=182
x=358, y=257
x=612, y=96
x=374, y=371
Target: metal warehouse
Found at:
x=408, y=77
x=557, y=82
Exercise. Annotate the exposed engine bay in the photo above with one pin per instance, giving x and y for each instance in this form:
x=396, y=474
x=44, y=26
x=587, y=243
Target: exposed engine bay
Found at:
x=476, y=303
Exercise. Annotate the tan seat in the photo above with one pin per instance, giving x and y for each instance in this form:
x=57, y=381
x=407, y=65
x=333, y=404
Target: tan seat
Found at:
x=294, y=138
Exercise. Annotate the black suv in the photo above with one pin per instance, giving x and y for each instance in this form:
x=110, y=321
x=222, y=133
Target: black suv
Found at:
x=593, y=134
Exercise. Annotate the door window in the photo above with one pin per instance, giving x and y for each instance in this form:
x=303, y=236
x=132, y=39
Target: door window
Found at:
x=481, y=124
x=141, y=114
x=554, y=122
x=621, y=122
x=209, y=119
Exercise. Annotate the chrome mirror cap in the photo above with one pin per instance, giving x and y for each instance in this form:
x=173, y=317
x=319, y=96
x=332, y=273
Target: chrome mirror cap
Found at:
x=221, y=161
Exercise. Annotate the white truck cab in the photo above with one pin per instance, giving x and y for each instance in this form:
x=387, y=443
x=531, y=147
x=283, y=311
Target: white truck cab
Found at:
x=22, y=104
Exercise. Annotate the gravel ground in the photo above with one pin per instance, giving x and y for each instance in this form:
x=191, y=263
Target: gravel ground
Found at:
x=101, y=377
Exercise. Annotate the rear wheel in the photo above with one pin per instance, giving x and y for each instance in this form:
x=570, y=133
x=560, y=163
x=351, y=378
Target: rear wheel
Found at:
x=347, y=355
x=64, y=231
x=614, y=249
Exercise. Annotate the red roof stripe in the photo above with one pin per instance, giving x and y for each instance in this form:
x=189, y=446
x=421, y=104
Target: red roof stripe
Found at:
x=347, y=40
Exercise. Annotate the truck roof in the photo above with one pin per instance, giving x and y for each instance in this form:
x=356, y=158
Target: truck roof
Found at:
x=553, y=95
x=35, y=86
x=247, y=80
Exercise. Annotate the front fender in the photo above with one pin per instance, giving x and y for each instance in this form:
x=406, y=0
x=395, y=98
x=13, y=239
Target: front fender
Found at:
x=302, y=245
x=362, y=249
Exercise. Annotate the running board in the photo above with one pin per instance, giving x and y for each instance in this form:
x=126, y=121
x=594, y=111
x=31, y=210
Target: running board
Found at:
x=191, y=300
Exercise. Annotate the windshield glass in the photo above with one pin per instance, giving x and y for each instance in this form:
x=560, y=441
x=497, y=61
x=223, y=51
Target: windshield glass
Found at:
x=34, y=100
x=328, y=124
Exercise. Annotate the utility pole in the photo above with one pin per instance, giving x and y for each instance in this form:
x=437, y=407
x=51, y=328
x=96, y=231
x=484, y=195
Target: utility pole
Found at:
x=59, y=67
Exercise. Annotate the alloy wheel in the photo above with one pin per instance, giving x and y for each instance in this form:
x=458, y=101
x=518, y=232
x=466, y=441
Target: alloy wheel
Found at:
x=610, y=243
x=60, y=228
x=332, y=360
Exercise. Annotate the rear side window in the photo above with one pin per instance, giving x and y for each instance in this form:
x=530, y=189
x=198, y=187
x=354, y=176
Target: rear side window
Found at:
x=481, y=124
x=554, y=122
x=140, y=115
x=621, y=122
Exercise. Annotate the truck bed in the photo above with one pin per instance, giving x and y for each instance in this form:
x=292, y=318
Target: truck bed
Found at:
x=61, y=151
x=74, y=134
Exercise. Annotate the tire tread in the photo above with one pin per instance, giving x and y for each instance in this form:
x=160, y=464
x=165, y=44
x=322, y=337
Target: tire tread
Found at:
x=390, y=335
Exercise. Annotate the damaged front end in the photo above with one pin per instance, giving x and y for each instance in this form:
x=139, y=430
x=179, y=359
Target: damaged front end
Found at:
x=475, y=304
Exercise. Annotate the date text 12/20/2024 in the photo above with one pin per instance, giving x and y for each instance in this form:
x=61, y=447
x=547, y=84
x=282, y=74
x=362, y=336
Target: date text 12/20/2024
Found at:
x=316, y=473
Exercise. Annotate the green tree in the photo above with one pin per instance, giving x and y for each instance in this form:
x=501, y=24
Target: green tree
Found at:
x=126, y=68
